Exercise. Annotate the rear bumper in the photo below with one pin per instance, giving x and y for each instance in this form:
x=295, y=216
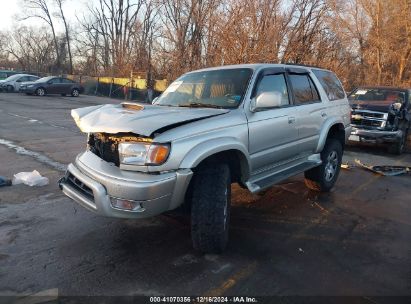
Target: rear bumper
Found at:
x=375, y=135
x=93, y=183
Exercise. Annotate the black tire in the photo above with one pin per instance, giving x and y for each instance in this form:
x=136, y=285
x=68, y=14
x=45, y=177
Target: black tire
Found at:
x=399, y=147
x=210, y=208
x=10, y=89
x=40, y=92
x=323, y=177
x=75, y=93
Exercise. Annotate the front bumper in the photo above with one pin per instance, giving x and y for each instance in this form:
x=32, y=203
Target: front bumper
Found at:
x=378, y=136
x=92, y=182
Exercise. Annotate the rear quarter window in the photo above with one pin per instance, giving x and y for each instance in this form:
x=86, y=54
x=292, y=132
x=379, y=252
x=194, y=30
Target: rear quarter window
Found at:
x=332, y=86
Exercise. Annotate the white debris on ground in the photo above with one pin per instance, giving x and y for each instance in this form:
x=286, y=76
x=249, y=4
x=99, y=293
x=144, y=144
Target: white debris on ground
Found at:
x=30, y=179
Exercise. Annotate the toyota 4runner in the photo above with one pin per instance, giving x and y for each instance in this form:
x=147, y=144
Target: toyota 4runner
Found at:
x=254, y=125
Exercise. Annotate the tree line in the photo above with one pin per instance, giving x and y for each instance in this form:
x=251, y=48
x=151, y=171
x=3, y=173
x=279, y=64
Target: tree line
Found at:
x=363, y=41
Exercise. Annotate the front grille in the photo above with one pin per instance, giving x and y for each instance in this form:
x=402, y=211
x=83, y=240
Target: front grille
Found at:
x=368, y=119
x=80, y=186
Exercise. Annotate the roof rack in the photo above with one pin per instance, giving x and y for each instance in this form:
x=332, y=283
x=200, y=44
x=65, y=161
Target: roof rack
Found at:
x=304, y=65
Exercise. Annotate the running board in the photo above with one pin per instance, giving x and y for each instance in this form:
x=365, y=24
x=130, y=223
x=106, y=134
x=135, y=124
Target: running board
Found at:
x=266, y=182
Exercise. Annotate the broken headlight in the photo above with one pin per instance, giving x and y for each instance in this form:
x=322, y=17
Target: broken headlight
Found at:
x=143, y=153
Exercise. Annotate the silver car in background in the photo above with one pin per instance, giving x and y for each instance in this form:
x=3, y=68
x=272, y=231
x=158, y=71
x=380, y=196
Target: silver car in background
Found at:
x=12, y=83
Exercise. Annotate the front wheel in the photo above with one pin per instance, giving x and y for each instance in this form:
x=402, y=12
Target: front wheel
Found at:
x=75, y=93
x=323, y=177
x=210, y=208
x=10, y=89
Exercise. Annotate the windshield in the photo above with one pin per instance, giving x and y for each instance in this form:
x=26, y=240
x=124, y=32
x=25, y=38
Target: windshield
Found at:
x=44, y=79
x=383, y=95
x=222, y=88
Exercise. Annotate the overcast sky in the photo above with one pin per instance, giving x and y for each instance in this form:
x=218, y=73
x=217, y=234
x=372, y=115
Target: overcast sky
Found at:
x=11, y=9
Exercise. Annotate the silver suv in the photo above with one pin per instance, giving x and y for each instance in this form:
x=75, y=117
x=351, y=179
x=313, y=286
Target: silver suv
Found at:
x=254, y=125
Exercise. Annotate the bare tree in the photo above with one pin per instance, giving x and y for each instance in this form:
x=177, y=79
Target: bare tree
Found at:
x=59, y=4
x=40, y=9
x=33, y=48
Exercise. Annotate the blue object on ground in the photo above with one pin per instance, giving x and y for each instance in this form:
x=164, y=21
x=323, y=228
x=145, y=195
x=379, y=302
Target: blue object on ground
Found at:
x=4, y=181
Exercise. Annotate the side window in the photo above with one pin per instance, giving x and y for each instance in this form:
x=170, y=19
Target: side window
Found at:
x=274, y=83
x=22, y=79
x=331, y=84
x=55, y=80
x=304, y=89
x=65, y=80
x=33, y=78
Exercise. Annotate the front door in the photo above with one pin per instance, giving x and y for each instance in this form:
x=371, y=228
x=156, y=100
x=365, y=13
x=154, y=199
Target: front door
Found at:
x=272, y=132
x=53, y=86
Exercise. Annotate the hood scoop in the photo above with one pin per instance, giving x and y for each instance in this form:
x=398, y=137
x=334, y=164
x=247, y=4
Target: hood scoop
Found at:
x=132, y=106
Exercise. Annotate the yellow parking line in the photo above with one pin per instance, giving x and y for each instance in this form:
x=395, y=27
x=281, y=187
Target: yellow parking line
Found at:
x=230, y=282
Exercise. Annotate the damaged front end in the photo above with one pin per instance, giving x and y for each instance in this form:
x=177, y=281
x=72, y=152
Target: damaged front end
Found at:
x=115, y=176
x=379, y=121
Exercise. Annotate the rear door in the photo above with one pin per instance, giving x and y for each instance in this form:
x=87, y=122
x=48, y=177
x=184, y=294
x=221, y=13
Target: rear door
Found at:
x=19, y=82
x=272, y=132
x=67, y=85
x=310, y=110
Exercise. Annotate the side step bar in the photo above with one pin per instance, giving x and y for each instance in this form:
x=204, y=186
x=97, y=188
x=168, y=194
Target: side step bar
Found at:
x=270, y=180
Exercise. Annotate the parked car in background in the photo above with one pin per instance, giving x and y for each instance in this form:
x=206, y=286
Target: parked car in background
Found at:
x=381, y=115
x=52, y=85
x=12, y=83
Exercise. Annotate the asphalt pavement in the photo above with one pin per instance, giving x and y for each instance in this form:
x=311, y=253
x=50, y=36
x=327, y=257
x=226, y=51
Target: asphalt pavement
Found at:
x=287, y=241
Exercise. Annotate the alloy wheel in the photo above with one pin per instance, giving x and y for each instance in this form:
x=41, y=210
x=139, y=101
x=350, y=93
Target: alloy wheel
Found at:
x=331, y=166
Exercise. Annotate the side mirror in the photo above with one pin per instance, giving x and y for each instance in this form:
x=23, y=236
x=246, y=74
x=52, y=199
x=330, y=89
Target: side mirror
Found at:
x=154, y=100
x=49, y=82
x=266, y=100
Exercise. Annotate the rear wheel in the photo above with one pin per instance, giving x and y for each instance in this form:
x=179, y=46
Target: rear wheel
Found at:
x=40, y=92
x=210, y=208
x=75, y=93
x=323, y=177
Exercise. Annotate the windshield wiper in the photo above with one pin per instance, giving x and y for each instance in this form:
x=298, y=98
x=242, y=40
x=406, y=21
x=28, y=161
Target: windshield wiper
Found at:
x=200, y=105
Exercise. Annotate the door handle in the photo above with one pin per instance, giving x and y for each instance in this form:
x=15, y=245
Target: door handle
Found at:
x=323, y=114
x=291, y=119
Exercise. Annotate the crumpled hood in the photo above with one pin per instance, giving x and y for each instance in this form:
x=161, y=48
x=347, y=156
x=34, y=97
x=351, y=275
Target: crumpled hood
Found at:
x=140, y=119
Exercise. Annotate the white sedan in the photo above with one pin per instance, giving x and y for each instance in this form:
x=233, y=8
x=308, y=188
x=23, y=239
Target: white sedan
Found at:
x=12, y=83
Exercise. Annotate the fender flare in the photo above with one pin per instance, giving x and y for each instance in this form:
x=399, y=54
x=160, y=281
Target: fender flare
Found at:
x=210, y=147
x=325, y=129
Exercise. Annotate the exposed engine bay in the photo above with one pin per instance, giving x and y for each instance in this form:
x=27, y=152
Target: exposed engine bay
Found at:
x=105, y=145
